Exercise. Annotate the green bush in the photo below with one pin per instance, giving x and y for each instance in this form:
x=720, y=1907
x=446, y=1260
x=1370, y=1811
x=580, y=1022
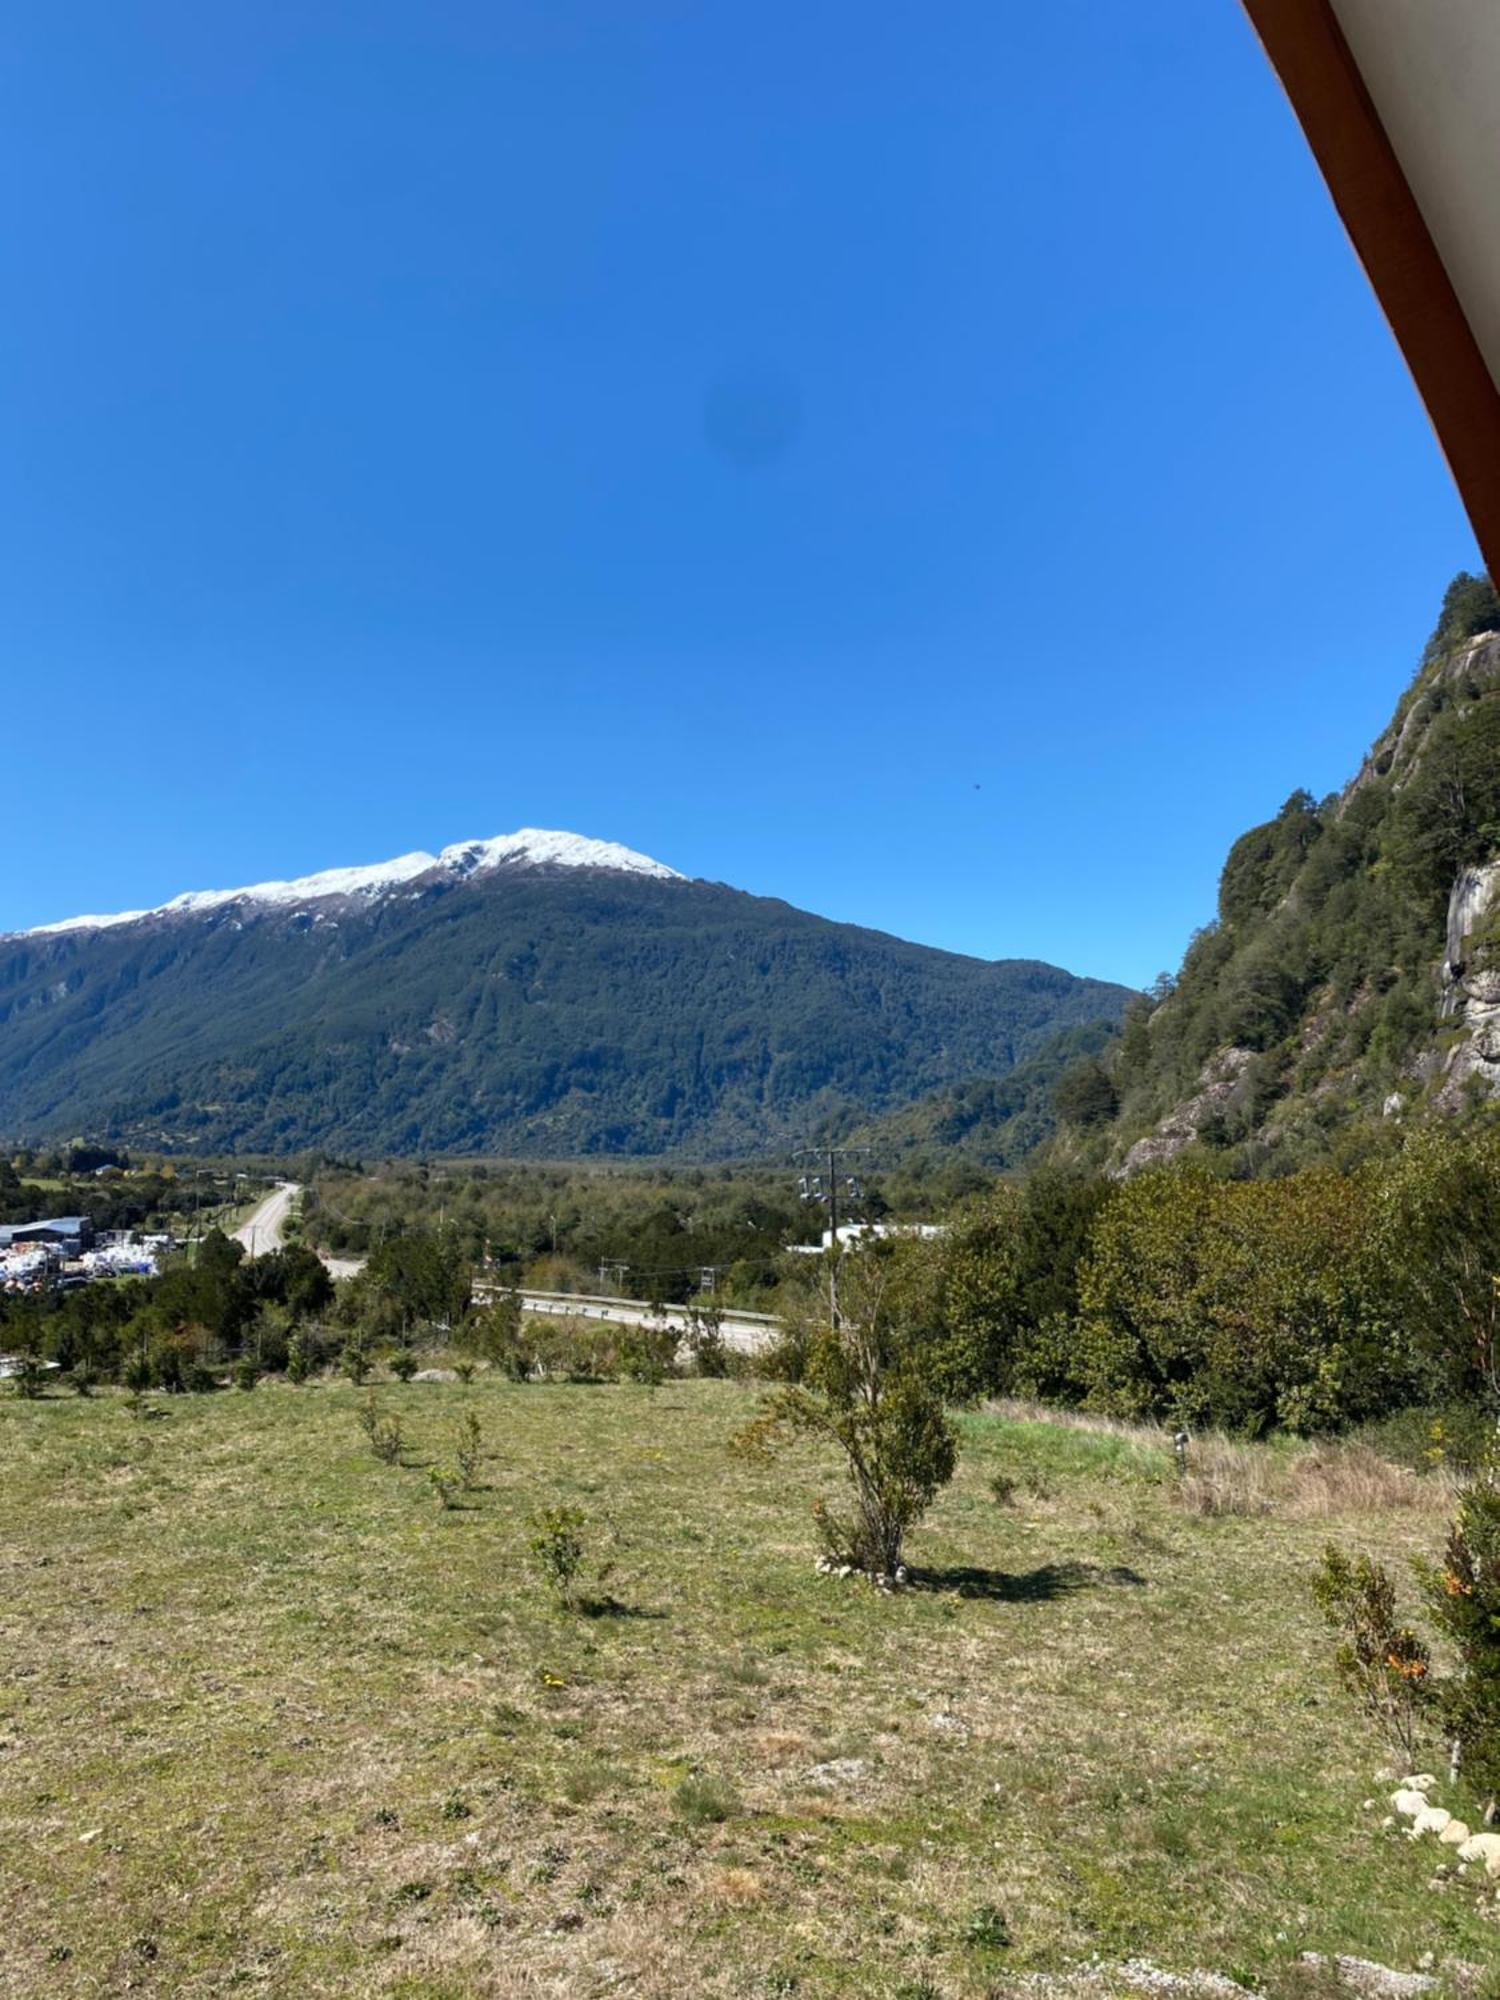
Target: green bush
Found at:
x=560, y=1545
x=1465, y=1598
x=468, y=1452
x=1382, y=1662
x=649, y=1353
x=403, y=1364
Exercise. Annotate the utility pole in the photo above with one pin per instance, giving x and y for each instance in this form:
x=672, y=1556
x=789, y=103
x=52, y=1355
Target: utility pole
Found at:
x=811, y=1187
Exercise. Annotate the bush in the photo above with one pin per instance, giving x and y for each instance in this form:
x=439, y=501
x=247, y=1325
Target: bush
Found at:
x=28, y=1378
x=298, y=1360
x=355, y=1363
x=403, y=1364
x=246, y=1374
x=705, y=1341
x=447, y=1482
x=382, y=1433
x=559, y=1545
x=869, y=1390
x=469, y=1450
x=499, y=1334
x=1465, y=1596
x=649, y=1353
x=1383, y=1663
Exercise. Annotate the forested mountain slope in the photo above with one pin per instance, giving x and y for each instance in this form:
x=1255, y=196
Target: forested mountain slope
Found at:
x=1351, y=978
x=517, y=1006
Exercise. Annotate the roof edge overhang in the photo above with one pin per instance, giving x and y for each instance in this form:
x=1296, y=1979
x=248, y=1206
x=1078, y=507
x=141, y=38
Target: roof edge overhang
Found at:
x=1375, y=201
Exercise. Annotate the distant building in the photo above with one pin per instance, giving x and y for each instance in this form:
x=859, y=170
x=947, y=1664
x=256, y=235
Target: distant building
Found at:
x=71, y=1234
x=852, y=1234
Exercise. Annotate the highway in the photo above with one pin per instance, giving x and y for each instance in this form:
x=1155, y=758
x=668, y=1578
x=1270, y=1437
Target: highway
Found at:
x=263, y=1231
x=746, y=1332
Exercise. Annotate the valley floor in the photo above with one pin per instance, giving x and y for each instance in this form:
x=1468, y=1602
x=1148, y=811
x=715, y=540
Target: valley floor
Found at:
x=275, y=1722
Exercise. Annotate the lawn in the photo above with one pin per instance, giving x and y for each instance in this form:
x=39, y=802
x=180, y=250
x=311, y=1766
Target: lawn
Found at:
x=275, y=1721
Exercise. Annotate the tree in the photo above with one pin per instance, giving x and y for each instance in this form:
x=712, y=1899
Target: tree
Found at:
x=869, y=1390
x=1085, y=1095
x=1438, y=1237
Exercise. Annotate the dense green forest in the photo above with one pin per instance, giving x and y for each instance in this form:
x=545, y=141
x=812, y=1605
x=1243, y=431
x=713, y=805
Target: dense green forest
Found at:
x=547, y=1014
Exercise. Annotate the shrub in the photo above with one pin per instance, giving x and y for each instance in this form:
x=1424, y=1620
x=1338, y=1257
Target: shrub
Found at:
x=298, y=1360
x=649, y=1353
x=246, y=1374
x=869, y=1391
x=558, y=1549
x=382, y=1432
x=355, y=1362
x=559, y=1546
x=469, y=1450
x=705, y=1341
x=1383, y=1663
x=463, y=1368
x=403, y=1364
x=448, y=1483
x=1465, y=1596
x=28, y=1377
x=499, y=1333
x=83, y=1375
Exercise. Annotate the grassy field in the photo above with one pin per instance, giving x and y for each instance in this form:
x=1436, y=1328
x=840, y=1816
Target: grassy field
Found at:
x=274, y=1721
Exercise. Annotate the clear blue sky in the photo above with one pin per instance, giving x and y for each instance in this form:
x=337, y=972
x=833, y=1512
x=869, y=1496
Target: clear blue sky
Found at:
x=940, y=466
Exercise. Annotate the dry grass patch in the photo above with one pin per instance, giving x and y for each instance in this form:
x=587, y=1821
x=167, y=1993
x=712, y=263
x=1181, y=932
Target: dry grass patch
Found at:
x=338, y=1744
x=1305, y=1483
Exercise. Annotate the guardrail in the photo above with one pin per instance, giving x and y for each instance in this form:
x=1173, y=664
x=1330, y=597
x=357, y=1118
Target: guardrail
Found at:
x=577, y=1301
x=755, y=1329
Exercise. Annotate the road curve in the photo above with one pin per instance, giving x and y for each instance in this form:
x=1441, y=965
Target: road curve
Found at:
x=265, y=1228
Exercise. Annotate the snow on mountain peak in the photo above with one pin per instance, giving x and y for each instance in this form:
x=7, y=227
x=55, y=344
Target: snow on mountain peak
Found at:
x=531, y=847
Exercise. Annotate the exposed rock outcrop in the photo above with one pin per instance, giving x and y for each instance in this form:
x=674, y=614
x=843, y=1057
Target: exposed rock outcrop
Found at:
x=1471, y=985
x=1221, y=1086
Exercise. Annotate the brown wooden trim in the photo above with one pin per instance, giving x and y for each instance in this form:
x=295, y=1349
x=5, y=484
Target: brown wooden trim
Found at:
x=1370, y=190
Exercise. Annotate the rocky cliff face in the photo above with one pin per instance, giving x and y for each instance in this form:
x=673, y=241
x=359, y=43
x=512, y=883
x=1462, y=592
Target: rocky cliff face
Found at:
x=1352, y=975
x=1470, y=986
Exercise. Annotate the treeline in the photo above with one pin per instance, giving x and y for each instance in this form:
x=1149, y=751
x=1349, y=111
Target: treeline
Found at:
x=152, y=1196
x=649, y=1233
x=1307, y=1303
x=178, y=1330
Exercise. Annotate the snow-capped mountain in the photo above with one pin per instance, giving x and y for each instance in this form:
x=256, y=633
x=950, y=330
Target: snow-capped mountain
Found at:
x=537, y=994
x=530, y=847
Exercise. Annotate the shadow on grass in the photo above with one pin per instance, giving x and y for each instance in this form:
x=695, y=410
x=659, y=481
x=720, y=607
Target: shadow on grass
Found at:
x=611, y=1607
x=1032, y=1586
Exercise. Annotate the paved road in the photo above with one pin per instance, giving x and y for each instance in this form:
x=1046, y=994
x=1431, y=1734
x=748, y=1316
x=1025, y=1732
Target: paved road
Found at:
x=263, y=1232
x=747, y=1332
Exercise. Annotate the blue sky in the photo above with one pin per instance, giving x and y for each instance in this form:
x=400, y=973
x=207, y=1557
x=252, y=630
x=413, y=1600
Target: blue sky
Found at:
x=941, y=467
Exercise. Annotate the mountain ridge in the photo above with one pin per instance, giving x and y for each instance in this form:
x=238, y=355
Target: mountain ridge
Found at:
x=533, y=1010
x=529, y=846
